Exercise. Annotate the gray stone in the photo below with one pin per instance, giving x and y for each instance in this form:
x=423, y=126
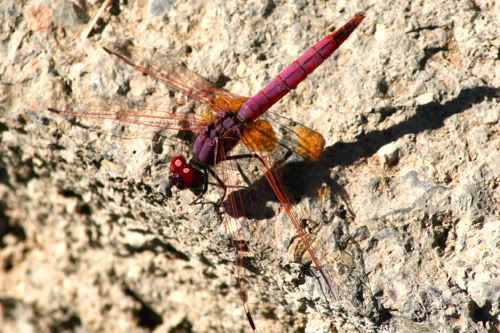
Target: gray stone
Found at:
x=389, y=154
x=69, y=15
x=158, y=7
x=93, y=240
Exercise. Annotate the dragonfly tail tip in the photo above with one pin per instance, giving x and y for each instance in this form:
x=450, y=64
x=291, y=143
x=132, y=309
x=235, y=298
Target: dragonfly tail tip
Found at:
x=360, y=16
x=250, y=320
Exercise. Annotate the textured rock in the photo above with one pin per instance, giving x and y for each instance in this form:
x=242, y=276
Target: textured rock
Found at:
x=388, y=154
x=91, y=239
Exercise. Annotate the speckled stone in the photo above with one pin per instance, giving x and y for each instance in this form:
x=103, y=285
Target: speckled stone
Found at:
x=91, y=239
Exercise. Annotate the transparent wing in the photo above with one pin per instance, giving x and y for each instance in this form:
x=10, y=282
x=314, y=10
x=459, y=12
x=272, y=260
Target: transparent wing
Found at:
x=255, y=292
x=286, y=133
x=255, y=163
x=281, y=137
x=300, y=139
x=140, y=119
x=266, y=141
x=178, y=77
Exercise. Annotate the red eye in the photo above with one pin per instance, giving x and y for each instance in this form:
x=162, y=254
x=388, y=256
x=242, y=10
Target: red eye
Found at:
x=184, y=175
x=189, y=175
x=177, y=164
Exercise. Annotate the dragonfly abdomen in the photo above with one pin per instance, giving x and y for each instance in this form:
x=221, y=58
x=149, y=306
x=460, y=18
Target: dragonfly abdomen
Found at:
x=291, y=76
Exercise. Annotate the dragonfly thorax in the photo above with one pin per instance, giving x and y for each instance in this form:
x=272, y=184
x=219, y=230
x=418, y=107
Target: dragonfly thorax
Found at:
x=217, y=139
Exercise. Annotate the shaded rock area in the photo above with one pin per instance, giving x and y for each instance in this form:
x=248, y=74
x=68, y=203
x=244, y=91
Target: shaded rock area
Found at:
x=403, y=206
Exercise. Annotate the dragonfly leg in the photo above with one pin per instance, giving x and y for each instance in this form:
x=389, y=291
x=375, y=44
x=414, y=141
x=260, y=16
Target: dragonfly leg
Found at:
x=244, y=156
x=283, y=160
x=257, y=156
x=221, y=184
x=197, y=200
x=205, y=185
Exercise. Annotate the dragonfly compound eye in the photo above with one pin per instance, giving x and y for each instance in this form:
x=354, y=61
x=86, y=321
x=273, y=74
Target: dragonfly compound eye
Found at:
x=189, y=176
x=177, y=164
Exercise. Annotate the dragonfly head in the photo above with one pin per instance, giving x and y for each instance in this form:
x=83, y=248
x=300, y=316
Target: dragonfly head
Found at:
x=183, y=175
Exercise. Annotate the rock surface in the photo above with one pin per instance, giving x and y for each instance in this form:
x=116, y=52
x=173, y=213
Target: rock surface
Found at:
x=91, y=241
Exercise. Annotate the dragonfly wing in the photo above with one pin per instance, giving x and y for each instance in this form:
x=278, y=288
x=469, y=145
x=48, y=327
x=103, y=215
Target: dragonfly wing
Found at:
x=300, y=139
x=340, y=253
x=281, y=137
x=255, y=292
x=178, y=77
x=254, y=163
x=137, y=118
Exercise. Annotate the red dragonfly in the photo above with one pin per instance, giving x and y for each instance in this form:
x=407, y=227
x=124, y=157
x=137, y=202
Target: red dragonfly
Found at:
x=231, y=121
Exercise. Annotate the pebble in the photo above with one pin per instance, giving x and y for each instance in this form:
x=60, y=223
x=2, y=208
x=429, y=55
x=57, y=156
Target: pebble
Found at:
x=491, y=116
x=158, y=7
x=425, y=98
x=388, y=155
x=69, y=16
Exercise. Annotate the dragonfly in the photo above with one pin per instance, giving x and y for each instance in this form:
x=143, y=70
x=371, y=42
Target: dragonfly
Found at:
x=223, y=122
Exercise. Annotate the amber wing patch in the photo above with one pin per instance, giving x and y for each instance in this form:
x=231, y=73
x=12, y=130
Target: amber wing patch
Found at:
x=310, y=144
x=207, y=117
x=259, y=136
x=231, y=103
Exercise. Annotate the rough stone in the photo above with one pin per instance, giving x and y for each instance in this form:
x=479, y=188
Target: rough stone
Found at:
x=91, y=239
x=388, y=154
